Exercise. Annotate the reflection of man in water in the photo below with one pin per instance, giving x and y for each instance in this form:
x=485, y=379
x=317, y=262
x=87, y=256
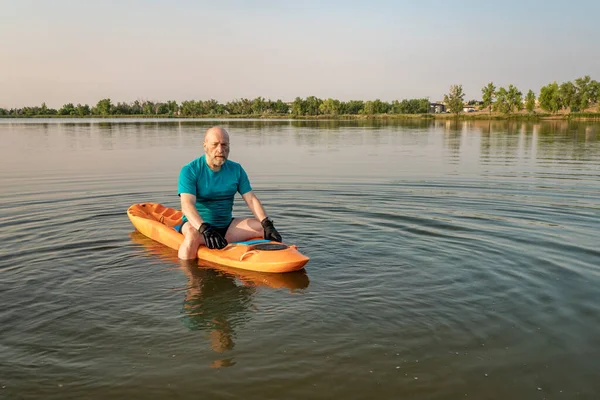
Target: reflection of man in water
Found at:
x=214, y=303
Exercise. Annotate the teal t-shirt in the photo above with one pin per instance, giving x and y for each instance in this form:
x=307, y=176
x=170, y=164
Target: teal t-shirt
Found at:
x=214, y=190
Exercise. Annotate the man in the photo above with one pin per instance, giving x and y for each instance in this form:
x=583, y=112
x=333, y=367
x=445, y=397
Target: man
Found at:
x=207, y=186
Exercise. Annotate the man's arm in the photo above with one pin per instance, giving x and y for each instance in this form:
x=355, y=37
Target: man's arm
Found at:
x=188, y=207
x=254, y=205
x=270, y=233
x=212, y=238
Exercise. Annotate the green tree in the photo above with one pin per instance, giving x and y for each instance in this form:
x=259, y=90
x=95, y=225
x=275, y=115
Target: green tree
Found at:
x=172, y=107
x=530, y=101
x=123, y=108
x=259, y=106
x=515, y=99
x=330, y=107
x=594, y=92
x=233, y=107
x=188, y=108
x=241, y=107
x=550, y=98
x=396, y=107
x=30, y=111
x=299, y=106
x=67, y=109
x=369, y=108
x=104, y=107
x=221, y=109
x=136, y=107
x=280, y=107
x=312, y=105
x=82, y=111
x=587, y=91
x=161, y=108
x=412, y=106
x=353, y=107
x=488, y=95
x=455, y=99
x=423, y=106
x=569, y=96
x=211, y=106
x=502, y=104
x=148, y=108
x=381, y=107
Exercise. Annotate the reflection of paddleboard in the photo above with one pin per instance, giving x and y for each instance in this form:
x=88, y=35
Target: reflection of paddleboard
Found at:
x=157, y=221
x=291, y=280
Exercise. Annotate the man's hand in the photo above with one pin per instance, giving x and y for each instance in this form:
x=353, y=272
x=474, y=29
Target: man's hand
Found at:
x=212, y=238
x=270, y=231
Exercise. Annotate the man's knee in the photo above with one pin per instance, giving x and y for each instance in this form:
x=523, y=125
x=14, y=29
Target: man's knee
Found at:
x=191, y=241
x=254, y=225
x=242, y=229
x=188, y=250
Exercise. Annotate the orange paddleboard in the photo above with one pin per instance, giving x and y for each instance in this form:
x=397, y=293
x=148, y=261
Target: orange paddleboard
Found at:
x=291, y=280
x=157, y=222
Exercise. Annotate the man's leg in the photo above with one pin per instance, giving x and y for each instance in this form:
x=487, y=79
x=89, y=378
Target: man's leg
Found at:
x=242, y=229
x=192, y=239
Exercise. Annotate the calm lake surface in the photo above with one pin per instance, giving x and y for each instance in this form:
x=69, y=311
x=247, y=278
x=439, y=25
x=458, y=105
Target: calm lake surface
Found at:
x=448, y=260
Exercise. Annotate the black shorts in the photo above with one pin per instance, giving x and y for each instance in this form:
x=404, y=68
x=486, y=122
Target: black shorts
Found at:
x=222, y=231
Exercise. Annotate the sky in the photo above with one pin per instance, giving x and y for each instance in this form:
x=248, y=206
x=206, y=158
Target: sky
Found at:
x=65, y=51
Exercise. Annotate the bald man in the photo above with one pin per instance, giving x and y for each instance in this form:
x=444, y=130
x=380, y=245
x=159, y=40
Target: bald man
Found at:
x=207, y=186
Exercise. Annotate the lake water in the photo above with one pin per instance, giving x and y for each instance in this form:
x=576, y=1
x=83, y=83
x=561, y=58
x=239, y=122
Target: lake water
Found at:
x=448, y=260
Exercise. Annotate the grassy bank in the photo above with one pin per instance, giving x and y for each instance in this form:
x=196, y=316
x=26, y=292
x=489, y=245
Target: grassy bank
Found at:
x=590, y=116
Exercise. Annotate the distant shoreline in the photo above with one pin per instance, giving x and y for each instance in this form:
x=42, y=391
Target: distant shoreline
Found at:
x=481, y=115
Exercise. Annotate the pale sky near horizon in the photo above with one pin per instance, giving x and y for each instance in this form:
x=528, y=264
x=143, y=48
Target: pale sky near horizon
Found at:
x=68, y=51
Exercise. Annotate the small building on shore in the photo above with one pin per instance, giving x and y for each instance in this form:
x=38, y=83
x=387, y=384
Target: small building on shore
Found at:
x=437, y=108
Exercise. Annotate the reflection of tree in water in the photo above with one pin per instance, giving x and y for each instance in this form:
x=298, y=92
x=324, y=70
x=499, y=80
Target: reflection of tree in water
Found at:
x=486, y=142
x=215, y=304
x=545, y=140
x=371, y=123
x=502, y=141
x=333, y=134
x=527, y=134
x=452, y=138
x=566, y=140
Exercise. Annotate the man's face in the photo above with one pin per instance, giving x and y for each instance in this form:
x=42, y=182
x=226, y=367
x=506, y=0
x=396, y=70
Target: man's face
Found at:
x=216, y=147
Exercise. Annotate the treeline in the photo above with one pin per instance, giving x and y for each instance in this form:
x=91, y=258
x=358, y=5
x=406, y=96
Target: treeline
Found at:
x=576, y=96
x=309, y=106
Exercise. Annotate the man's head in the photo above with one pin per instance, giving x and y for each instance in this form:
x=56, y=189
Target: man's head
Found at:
x=216, y=147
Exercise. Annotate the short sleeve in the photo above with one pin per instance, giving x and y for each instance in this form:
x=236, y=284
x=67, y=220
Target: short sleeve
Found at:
x=187, y=181
x=244, y=183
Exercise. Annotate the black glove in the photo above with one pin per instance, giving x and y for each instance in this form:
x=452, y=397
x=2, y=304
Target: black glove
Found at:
x=270, y=231
x=212, y=238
